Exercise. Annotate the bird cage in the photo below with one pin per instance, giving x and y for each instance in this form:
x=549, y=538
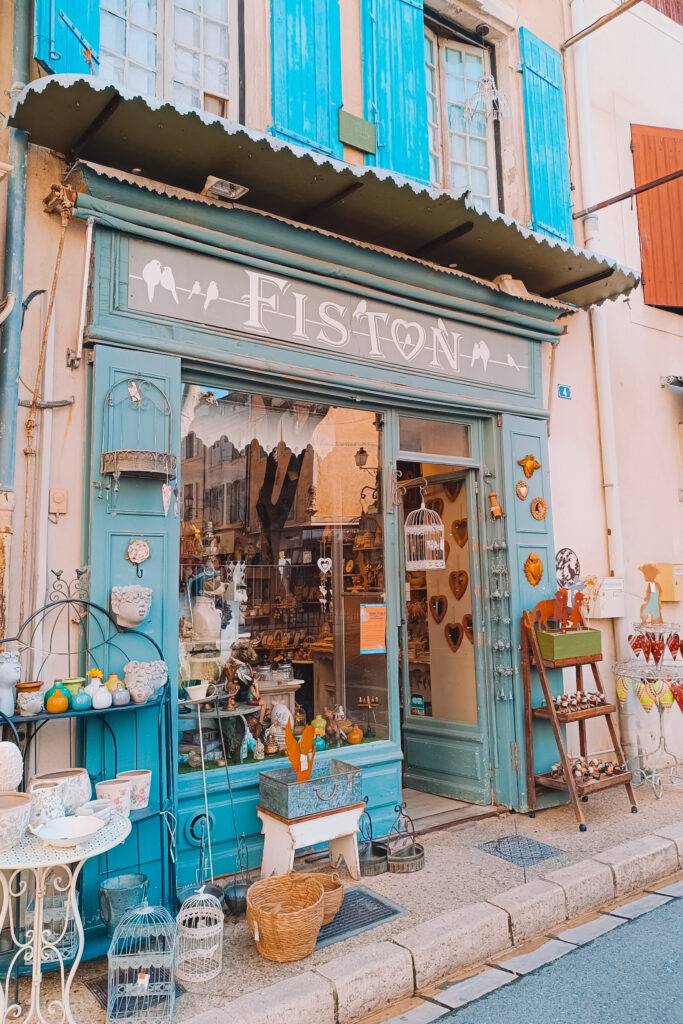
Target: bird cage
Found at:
x=141, y=984
x=425, y=541
x=199, y=950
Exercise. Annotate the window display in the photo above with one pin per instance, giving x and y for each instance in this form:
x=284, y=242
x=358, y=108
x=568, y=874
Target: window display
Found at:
x=281, y=558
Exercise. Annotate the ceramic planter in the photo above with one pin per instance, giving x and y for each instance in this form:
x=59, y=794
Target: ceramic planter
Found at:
x=15, y=811
x=118, y=791
x=81, y=701
x=77, y=786
x=11, y=765
x=141, y=782
x=48, y=801
x=131, y=605
x=10, y=674
x=144, y=678
x=120, y=696
x=30, y=703
x=73, y=686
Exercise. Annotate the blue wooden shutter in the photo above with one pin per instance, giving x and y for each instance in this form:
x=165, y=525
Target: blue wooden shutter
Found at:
x=546, y=137
x=306, y=67
x=394, y=84
x=136, y=738
x=67, y=36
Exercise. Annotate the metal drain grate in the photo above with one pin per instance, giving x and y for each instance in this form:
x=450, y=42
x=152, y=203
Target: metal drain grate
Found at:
x=361, y=910
x=520, y=850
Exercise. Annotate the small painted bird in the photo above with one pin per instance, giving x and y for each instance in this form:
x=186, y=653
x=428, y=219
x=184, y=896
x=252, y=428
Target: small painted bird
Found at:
x=211, y=294
x=529, y=465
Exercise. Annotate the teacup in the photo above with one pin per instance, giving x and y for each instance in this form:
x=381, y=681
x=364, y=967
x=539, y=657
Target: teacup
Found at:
x=118, y=791
x=200, y=691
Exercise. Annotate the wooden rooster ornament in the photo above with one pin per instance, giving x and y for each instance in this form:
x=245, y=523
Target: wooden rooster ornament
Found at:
x=301, y=753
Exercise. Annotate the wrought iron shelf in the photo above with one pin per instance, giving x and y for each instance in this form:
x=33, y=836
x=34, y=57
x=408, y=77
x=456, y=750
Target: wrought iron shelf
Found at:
x=45, y=716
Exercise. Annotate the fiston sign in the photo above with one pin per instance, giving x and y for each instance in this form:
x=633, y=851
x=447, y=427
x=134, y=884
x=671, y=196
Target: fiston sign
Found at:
x=226, y=295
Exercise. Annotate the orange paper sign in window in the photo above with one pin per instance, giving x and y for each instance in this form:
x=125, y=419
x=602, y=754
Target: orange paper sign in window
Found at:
x=373, y=629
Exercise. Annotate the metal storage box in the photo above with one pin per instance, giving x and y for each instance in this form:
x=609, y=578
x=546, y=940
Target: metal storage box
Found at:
x=333, y=784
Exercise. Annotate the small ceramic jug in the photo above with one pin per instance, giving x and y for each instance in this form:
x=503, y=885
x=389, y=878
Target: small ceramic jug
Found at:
x=57, y=699
x=120, y=696
x=81, y=701
x=101, y=697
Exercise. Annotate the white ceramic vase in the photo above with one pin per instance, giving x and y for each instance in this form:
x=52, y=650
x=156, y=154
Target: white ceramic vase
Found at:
x=206, y=621
x=15, y=811
x=11, y=765
x=131, y=605
x=101, y=697
x=10, y=674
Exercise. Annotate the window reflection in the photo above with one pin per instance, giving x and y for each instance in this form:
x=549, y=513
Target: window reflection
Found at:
x=281, y=547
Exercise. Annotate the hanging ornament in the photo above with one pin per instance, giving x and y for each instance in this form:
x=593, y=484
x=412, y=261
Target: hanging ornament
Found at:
x=137, y=553
x=677, y=691
x=529, y=464
x=533, y=569
x=644, y=695
x=674, y=644
x=424, y=539
x=166, y=495
x=622, y=689
x=486, y=102
x=666, y=698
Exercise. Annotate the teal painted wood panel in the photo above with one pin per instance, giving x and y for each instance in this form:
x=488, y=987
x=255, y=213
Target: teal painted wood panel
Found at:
x=306, y=73
x=394, y=84
x=546, y=137
x=140, y=738
x=523, y=436
x=67, y=36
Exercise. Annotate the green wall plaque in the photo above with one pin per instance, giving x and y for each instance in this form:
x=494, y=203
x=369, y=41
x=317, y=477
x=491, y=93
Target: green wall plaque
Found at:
x=357, y=132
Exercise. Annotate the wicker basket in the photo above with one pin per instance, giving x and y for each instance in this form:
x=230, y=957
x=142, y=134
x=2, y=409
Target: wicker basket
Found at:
x=285, y=915
x=333, y=894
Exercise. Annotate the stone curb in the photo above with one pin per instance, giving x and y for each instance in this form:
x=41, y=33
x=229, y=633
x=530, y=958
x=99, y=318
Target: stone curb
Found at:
x=350, y=987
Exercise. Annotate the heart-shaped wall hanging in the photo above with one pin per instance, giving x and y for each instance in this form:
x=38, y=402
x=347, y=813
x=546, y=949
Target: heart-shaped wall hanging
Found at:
x=438, y=605
x=468, y=627
x=446, y=550
x=436, y=505
x=458, y=581
x=325, y=564
x=459, y=531
x=454, y=634
x=453, y=489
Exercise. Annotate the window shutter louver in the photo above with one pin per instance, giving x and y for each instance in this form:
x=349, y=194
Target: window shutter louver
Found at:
x=306, y=70
x=546, y=137
x=657, y=152
x=394, y=84
x=67, y=36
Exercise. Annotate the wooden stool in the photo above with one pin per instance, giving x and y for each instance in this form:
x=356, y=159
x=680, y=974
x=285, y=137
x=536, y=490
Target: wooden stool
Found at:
x=283, y=837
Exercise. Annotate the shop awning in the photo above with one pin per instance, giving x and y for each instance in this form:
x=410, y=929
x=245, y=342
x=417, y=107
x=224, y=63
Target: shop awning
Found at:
x=88, y=118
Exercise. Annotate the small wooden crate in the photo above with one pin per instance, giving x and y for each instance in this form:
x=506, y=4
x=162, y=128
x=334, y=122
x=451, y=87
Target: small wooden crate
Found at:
x=580, y=643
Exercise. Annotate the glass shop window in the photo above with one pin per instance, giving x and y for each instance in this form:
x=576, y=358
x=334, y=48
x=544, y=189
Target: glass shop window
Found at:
x=437, y=437
x=282, y=602
x=178, y=50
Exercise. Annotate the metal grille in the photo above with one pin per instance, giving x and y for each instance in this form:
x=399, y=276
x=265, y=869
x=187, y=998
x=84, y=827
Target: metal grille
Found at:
x=98, y=987
x=361, y=910
x=520, y=850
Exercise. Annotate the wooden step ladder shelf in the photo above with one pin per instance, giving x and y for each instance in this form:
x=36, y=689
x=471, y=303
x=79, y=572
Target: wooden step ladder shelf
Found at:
x=578, y=789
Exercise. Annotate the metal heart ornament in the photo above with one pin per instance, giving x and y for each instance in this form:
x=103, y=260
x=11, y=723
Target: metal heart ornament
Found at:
x=325, y=565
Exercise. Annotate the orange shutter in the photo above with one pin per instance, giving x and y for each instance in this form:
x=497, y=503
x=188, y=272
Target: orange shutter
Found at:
x=656, y=152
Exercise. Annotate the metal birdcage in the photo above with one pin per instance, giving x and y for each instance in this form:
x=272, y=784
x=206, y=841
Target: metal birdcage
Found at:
x=424, y=538
x=199, y=950
x=141, y=984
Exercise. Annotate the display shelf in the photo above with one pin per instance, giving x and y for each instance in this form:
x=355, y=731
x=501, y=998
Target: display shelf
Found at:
x=576, y=716
x=577, y=789
x=45, y=716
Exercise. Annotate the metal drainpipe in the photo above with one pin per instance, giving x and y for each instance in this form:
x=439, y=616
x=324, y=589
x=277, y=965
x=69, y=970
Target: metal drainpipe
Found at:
x=10, y=349
x=601, y=341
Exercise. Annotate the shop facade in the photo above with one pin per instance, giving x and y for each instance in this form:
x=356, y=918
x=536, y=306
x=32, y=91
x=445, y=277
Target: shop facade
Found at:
x=308, y=392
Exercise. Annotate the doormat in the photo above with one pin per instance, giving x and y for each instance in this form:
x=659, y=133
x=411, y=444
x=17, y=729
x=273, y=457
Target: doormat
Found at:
x=520, y=850
x=361, y=910
x=98, y=987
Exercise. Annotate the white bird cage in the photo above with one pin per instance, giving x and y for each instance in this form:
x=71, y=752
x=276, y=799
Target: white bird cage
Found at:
x=425, y=541
x=141, y=985
x=199, y=949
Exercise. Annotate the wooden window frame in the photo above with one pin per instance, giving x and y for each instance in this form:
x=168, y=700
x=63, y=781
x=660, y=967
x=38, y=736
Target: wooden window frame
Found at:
x=441, y=44
x=165, y=63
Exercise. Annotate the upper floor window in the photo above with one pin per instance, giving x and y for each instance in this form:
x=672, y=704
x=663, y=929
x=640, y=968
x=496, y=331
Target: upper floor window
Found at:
x=176, y=50
x=461, y=149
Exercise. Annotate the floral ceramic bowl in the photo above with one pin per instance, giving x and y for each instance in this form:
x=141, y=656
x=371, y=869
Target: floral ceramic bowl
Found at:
x=77, y=786
x=15, y=811
x=141, y=782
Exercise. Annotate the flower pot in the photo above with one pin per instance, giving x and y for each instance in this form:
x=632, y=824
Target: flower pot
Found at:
x=77, y=786
x=141, y=783
x=72, y=686
x=15, y=811
x=118, y=791
x=131, y=605
x=48, y=801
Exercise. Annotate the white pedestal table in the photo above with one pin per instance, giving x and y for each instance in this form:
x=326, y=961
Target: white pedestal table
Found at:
x=37, y=946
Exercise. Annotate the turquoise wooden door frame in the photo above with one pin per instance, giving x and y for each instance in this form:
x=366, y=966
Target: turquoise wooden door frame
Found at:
x=454, y=756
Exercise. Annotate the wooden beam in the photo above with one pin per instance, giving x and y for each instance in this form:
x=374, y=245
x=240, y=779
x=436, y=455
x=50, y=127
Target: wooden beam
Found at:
x=333, y=200
x=575, y=285
x=94, y=126
x=441, y=240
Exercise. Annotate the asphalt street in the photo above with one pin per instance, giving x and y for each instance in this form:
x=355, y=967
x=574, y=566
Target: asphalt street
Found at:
x=632, y=975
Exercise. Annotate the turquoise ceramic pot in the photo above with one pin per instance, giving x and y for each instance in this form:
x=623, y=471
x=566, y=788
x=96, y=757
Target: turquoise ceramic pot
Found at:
x=320, y=743
x=81, y=701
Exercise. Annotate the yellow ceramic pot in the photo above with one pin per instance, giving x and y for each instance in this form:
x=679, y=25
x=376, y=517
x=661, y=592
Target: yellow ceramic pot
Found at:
x=355, y=735
x=113, y=682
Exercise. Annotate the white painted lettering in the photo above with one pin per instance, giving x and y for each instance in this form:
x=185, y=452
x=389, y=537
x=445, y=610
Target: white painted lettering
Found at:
x=408, y=336
x=441, y=344
x=258, y=300
x=337, y=325
x=300, y=301
x=373, y=319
